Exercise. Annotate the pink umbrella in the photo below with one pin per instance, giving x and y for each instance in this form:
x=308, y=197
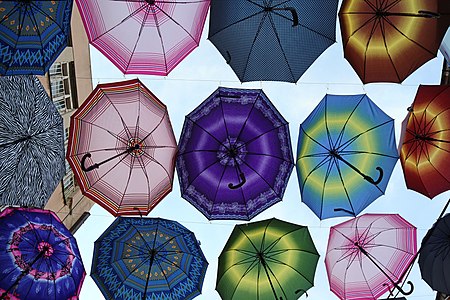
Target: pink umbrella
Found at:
x=368, y=255
x=144, y=36
x=122, y=148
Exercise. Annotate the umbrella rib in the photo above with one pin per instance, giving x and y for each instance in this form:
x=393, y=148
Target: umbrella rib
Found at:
x=345, y=189
x=238, y=21
x=250, y=267
x=108, y=131
x=126, y=130
x=7, y=15
x=339, y=143
x=319, y=165
x=158, y=163
x=344, y=145
x=144, y=170
x=261, y=134
x=157, y=125
x=248, y=115
x=353, y=152
x=198, y=175
x=289, y=266
x=383, y=32
x=217, y=188
x=271, y=155
x=264, y=179
x=127, y=183
x=365, y=279
x=314, y=140
x=206, y=131
x=331, y=162
x=48, y=16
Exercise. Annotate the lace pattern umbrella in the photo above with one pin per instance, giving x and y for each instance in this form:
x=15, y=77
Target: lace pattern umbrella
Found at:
x=122, y=148
x=32, y=34
x=144, y=36
x=235, y=155
x=39, y=256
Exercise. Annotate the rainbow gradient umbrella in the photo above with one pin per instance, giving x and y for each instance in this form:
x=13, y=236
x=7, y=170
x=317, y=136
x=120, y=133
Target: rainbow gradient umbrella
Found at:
x=345, y=156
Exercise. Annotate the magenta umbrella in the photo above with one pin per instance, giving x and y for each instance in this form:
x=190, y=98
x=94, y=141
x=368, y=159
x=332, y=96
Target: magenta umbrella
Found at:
x=144, y=36
x=368, y=255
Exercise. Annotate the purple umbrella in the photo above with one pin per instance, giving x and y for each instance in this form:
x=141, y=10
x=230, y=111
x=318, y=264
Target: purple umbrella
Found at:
x=235, y=155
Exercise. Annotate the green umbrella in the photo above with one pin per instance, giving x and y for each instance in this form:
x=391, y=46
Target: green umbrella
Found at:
x=266, y=260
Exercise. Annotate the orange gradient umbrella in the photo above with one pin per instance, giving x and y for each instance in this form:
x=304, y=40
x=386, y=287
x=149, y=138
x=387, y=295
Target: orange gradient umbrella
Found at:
x=425, y=141
x=386, y=41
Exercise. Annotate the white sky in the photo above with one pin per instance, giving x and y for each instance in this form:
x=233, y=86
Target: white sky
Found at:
x=196, y=78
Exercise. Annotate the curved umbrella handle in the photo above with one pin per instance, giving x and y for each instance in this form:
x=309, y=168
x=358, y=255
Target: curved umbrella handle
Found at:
x=399, y=288
x=293, y=12
x=239, y=184
x=380, y=177
x=83, y=161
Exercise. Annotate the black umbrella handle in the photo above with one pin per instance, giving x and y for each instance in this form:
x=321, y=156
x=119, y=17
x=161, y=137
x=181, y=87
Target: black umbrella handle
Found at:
x=380, y=177
x=96, y=165
x=400, y=289
x=293, y=12
x=239, y=184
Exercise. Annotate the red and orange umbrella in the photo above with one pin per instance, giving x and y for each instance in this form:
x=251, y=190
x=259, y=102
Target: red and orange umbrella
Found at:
x=425, y=141
x=385, y=41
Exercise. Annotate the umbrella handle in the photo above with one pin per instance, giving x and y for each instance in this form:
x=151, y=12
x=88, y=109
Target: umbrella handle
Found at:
x=399, y=288
x=380, y=177
x=293, y=12
x=83, y=162
x=243, y=180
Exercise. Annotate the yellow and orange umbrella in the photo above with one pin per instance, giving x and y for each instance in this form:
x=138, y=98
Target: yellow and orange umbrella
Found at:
x=387, y=40
x=425, y=141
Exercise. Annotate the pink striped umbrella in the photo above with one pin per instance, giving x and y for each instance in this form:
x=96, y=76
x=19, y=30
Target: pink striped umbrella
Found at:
x=368, y=255
x=144, y=36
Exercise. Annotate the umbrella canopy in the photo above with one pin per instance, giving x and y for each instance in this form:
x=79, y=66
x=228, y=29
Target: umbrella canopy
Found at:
x=31, y=143
x=235, y=155
x=434, y=258
x=368, y=255
x=32, y=34
x=39, y=256
x=267, y=259
x=445, y=46
x=272, y=40
x=122, y=148
x=144, y=36
x=385, y=41
x=345, y=156
x=148, y=258
x=425, y=141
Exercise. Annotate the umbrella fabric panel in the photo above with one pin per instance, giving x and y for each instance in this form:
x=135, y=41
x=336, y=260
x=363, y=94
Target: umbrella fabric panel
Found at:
x=245, y=31
x=31, y=143
x=392, y=44
x=117, y=117
x=289, y=254
x=363, y=135
x=434, y=259
x=148, y=258
x=32, y=35
x=426, y=142
x=141, y=37
x=388, y=239
x=39, y=254
x=246, y=121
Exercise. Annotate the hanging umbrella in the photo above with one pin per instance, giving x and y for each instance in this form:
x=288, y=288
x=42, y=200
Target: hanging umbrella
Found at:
x=32, y=34
x=434, y=258
x=122, y=148
x=445, y=46
x=148, y=258
x=272, y=40
x=31, y=143
x=144, y=36
x=425, y=141
x=39, y=256
x=367, y=255
x=266, y=260
x=345, y=156
x=386, y=41
x=235, y=155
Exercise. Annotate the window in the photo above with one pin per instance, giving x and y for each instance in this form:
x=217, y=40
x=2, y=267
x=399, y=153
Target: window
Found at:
x=63, y=86
x=68, y=180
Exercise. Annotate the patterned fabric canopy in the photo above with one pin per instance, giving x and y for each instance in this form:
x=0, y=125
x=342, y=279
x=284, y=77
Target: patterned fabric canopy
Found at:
x=148, y=258
x=235, y=155
x=39, y=257
x=345, y=156
x=386, y=41
x=31, y=143
x=32, y=34
x=272, y=40
x=144, y=36
x=122, y=148
x=368, y=255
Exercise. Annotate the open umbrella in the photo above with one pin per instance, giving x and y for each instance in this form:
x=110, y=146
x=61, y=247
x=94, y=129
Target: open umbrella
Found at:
x=345, y=156
x=272, y=40
x=144, y=36
x=425, y=141
x=31, y=143
x=266, y=260
x=434, y=258
x=39, y=256
x=148, y=258
x=235, y=155
x=32, y=34
x=122, y=148
x=367, y=255
x=445, y=46
x=385, y=41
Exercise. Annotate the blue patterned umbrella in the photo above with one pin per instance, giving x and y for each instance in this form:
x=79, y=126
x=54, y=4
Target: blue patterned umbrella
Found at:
x=32, y=34
x=148, y=258
x=39, y=257
x=31, y=143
